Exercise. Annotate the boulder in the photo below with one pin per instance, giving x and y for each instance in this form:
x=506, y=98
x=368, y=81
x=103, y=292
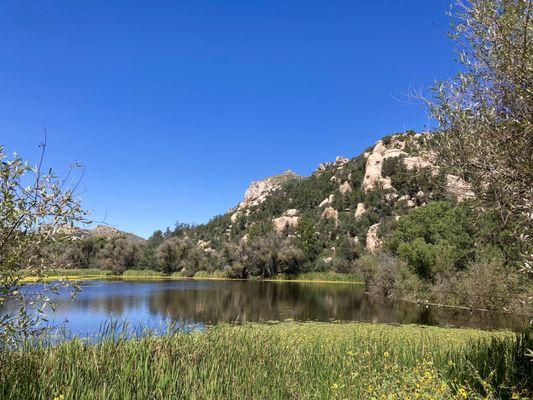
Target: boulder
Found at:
x=291, y=212
x=345, y=188
x=234, y=217
x=330, y=212
x=284, y=221
x=372, y=240
x=341, y=160
x=374, y=163
x=361, y=208
x=334, y=180
x=244, y=239
x=459, y=188
x=379, y=148
x=391, y=196
x=202, y=244
x=327, y=202
x=386, y=183
x=372, y=171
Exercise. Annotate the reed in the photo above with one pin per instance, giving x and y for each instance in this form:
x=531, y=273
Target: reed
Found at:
x=280, y=361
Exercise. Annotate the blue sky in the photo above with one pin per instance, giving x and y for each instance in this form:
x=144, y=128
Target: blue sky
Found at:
x=173, y=107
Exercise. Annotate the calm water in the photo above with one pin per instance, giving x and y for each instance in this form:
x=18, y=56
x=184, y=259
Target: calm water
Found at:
x=196, y=303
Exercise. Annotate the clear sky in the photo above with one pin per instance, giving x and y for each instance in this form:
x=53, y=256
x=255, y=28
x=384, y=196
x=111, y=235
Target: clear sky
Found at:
x=174, y=107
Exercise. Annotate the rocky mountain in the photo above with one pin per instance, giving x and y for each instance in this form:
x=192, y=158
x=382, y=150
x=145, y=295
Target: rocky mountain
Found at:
x=356, y=196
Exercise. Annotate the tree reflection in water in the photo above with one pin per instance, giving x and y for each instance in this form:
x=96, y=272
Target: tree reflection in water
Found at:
x=210, y=302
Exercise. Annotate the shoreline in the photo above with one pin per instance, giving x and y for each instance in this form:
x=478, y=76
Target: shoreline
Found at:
x=153, y=275
x=334, y=278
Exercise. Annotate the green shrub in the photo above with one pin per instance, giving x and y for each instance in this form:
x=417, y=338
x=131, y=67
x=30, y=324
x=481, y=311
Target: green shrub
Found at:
x=435, y=239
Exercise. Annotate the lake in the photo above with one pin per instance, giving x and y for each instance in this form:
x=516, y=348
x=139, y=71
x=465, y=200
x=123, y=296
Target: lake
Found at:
x=193, y=304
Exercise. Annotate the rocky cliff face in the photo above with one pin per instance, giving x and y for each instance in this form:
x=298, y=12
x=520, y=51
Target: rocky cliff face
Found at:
x=258, y=191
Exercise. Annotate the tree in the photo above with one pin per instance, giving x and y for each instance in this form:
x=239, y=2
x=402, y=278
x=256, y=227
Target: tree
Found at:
x=485, y=132
x=260, y=255
x=155, y=239
x=121, y=253
x=171, y=253
x=36, y=209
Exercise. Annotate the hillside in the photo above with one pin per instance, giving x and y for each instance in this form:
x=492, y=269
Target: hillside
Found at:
x=350, y=197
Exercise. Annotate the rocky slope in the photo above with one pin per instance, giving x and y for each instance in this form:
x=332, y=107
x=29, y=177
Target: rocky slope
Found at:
x=397, y=174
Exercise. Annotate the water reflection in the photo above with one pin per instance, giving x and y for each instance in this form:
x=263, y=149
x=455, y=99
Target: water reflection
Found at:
x=155, y=303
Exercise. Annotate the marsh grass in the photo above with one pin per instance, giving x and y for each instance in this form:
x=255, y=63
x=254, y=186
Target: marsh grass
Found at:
x=319, y=277
x=70, y=274
x=280, y=361
x=132, y=274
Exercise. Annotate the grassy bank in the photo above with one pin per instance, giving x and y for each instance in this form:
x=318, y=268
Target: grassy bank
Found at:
x=87, y=274
x=70, y=274
x=280, y=361
x=319, y=277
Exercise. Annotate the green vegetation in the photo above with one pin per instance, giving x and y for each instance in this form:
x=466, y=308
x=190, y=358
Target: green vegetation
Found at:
x=320, y=277
x=281, y=361
x=441, y=250
x=70, y=274
x=485, y=131
x=432, y=250
x=36, y=208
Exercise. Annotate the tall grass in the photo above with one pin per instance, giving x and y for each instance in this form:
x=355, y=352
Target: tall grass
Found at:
x=282, y=361
x=71, y=274
x=319, y=277
x=94, y=273
x=141, y=273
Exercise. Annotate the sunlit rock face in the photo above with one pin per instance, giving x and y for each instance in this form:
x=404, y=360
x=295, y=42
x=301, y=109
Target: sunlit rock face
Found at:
x=258, y=191
x=458, y=188
x=373, y=241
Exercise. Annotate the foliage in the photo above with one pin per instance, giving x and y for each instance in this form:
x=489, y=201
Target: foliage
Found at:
x=380, y=273
x=179, y=254
x=485, y=132
x=435, y=239
x=35, y=209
